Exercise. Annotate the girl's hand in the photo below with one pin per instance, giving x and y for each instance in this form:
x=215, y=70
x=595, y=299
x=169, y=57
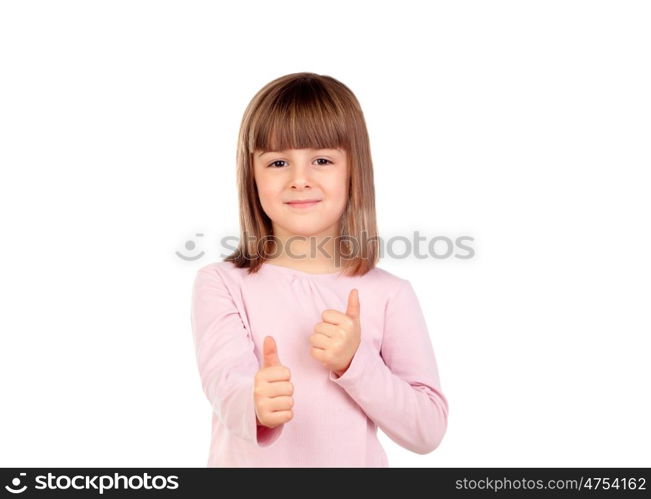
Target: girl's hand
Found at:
x=335, y=340
x=272, y=393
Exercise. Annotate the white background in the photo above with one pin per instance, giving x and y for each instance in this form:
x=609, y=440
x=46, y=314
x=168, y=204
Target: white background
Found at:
x=524, y=125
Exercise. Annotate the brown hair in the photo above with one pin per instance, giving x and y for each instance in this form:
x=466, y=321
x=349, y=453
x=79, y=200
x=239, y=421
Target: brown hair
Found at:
x=298, y=111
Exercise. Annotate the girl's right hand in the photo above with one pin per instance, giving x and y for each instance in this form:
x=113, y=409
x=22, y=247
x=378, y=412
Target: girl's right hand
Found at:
x=273, y=389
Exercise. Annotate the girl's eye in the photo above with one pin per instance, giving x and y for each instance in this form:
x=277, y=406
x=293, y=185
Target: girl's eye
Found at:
x=275, y=163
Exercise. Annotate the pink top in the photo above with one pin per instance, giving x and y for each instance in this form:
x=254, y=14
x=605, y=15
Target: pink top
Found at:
x=392, y=382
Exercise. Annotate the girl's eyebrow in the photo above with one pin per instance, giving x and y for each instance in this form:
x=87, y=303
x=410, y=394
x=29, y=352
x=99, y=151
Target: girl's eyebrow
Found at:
x=317, y=150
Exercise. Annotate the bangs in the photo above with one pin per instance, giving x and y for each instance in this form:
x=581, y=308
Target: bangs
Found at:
x=300, y=115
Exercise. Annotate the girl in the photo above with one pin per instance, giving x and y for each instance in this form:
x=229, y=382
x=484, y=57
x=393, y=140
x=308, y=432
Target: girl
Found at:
x=304, y=346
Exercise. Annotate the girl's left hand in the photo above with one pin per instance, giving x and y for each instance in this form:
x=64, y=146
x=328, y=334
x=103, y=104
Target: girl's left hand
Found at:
x=335, y=340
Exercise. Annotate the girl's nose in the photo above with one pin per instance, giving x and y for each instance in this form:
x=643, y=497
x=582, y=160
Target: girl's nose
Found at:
x=301, y=176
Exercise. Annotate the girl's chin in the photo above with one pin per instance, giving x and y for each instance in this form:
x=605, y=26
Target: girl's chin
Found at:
x=305, y=231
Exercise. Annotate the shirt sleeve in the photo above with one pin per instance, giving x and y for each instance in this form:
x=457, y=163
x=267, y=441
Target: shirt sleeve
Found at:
x=226, y=359
x=398, y=388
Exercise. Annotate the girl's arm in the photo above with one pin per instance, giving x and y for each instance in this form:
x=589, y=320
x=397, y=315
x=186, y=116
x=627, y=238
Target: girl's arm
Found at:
x=399, y=389
x=226, y=358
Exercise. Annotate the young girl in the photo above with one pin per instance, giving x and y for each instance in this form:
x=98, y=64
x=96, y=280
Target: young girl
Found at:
x=304, y=346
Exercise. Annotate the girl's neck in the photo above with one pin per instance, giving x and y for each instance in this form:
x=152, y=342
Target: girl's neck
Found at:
x=311, y=265
x=315, y=254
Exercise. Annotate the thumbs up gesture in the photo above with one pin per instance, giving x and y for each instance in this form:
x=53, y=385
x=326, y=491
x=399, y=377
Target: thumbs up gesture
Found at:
x=335, y=340
x=272, y=391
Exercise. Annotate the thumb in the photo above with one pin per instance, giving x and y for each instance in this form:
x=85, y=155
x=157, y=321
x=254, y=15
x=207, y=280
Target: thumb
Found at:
x=353, y=304
x=270, y=352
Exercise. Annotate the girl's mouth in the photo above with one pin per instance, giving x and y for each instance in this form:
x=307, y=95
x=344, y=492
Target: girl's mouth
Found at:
x=302, y=205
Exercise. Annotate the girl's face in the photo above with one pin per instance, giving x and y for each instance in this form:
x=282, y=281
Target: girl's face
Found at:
x=302, y=174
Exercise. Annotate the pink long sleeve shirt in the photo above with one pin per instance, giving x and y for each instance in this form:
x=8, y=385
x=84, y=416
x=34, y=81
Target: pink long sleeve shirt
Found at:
x=392, y=381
